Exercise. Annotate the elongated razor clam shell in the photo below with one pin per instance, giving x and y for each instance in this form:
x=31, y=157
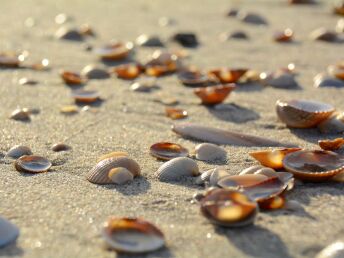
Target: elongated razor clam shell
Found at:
x=120, y=175
x=8, y=232
x=99, y=173
x=176, y=169
x=220, y=136
x=17, y=151
x=210, y=152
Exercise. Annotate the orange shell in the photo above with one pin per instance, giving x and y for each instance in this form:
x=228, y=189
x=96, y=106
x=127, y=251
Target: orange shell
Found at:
x=213, y=95
x=71, y=78
x=176, y=113
x=227, y=75
x=283, y=36
x=128, y=71
x=331, y=144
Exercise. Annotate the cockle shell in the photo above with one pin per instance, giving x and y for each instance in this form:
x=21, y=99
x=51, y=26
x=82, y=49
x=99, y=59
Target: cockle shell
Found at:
x=8, y=232
x=331, y=144
x=323, y=80
x=213, y=95
x=17, y=151
x=334, y=124
x=113, y=154
x=303, y=113
x=128, y=71
x=120, y=175
x=210, y=152
x=334, y=250
x=32, y=164
x=176, y=113
x=99, y=174
x=72, y=78
x=176, y=169
x=225, y=75
x=280, y=79
x=132, y=235
x=217, y=175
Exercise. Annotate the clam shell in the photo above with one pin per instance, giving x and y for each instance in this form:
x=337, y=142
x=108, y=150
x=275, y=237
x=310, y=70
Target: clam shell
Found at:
x=176, y=113
x=176, y=169
x=303, y=113
x=85, y=96
x=8, y=232
x=323, y=80
x=331, y=144
x=72, y=78
x=120, y=175
x=225, y=75
x=60, y=147
x=113, y=154
x=205, y=176
x=213, y=95
x=334, y=124
x=69, y=34
x=17, y=151
x=145, y=40
x=282, y=80
x=228, y=208
x=32, y=164
x=99, y=173
x=314, y=165
x=272, y=158
x=94, y=72
x=251, y=18
x=334, y=250
x=324, y=34
x=193, y=78
x=168, y=150
x=128, y=71
x=251, y=170
x=210, y=152
x=132, y=235
x=217, y=175
x=114, y=51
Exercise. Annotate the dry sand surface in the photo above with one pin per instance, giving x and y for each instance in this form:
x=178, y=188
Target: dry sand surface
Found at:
x=60, y=213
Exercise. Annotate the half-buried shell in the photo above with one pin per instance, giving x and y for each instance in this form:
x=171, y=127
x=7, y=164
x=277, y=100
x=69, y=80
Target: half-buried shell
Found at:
x=210, y=152
x=32, y=164
x=213, y=95
x=72, y=78
x=132, y=235
x=168, y=150
x=225, y=75
x=8, y=232
x=17, y=151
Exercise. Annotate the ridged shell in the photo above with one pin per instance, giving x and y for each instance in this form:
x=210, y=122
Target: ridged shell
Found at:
x=8, y=232
x=210, y=152
x=205, y=176
x=120, y=175
x=303, y=113
x=113, y=154
x=99, y=173
x=32, y=164
x=334, y=250
x=176, y=169
x=17, y=151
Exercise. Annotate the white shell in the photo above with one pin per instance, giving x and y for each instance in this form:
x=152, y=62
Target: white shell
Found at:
x=340, y=26
x=205, y=176
x=269, y=172
x=99, y=173
x=251, y=170
x=17, y=151
x=210, y=152
x=334, y=250
x=8, y=232
x=217, y=175
x=120, y=175
x=176, y=169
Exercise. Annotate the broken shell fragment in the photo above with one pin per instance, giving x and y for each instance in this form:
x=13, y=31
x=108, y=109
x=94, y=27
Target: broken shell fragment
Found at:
x=176, y=113
x=284, y=36
x=94, y=72
x=132, y=235
x=8, y=232
x=120, y=175
x=128, y=71
x=228, y=208
x=32, y=164
x=193, y=78
x=115, y=51
x=314, y=165
x=145, y=40
x=99, y=174
x=334, y=250
x=334, y=124
x=323, y=80
x=85, y=96
x=272, y=158
x=324, y=35
x=213, y=95
x=251, y=18
x=331, y=144
x=168, y=150
x=69, y=109
x=17, y=151
x=303, y=113
x=71, y=78
x=210, y=152
x=20, y=114
x=60, y=147
x=176, y=169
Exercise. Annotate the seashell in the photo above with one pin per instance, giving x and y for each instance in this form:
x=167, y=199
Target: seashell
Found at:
x=17, y=151
x=176, y=113
x=86, y=30
x=193, y=78
x=251, y=18
x=113, y=154
x=69, y=109
x=94, y=72
x=177, y=168
x=213, y=95
x=144, y=85
x=114, y=51
x=210, y=152
x=162, y=62
x=313, y=165
x=233, y=35
x=120, y=175
x=42, y=65
x=205, y=176
x=220, y=136
x=145, y=40
x=67, y=33
x=340, y=26
x=61, y=18
x=265, y=171
x=303, y=113
x=128, y=71
x=72, y=78
x=272, y=158
x=225, y=75
x=217, y=175
x=9, y=60
x=337, y=70
x=338, y=178
x=186, y=39
x=279, y=79
x=99, y=174
x=324, y=35
x=168, y=150
x=251, y=170
x=132, y=235
x=303, y=1
x=338, y=8
x=274, y=203
x=85, y=96
x=334, y=124
x=32, y=164
x=334, y=250
x=60, y=147
x=228, y=208
x=8, y=232
x=27, y=81
x=331, y=144
x=232, y=12
x=323, y=80
x=20, y=114
x=284, y=36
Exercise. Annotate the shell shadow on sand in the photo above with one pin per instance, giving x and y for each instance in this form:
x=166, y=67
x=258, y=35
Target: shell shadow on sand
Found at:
x=164, y=252
x=233, y=113
x=138, y=186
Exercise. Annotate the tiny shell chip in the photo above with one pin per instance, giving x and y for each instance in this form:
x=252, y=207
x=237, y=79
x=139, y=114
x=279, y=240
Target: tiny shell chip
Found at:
x=314, y=165
x=114, y=51
x=210, y=152
x=94, y=72
x=225, y=75
x=228, y=208
x=42, y=65
x=32, y=164
x=60, y=147
x=284, y=36
x=334, y=250
x=71, y=78
x=168, y=150
x=213, y=95
x=331, y=144
x=17, y=151
x=8, y=232
x=132, y=235
x=176, y=113
x=85, y=96
x=120, y=175
x=69, y=109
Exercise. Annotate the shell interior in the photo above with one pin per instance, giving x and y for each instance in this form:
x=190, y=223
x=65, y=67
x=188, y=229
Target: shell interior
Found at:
x=32, y=164
x=168, y=150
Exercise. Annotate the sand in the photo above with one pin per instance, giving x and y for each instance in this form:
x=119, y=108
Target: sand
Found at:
x=60, y=213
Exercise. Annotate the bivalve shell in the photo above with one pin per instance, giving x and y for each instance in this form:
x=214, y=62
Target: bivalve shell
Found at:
x=210, y=152
x=334, y=124
x=32, y=164
x=168, y=150
x=94, y=72
x=323, y=80
x=17, y=151
x=331, y=144
x=8, y=232
x=120, y=175
x=213, y=95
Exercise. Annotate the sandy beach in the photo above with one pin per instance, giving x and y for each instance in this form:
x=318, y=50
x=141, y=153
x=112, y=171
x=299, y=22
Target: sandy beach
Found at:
x=60, y=213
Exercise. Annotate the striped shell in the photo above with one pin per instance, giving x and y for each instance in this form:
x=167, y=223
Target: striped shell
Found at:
x=99, y=174
x=210, y=152
x=17, y=151
x=176, y=169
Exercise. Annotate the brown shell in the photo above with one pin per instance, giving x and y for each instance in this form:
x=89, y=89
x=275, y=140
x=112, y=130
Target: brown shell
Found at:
x=9, y=60
x=168, y=150
x=85, y=96
x=314, y=165
x=60, y=147
x=128, y=71
x=272, y=158
x=72, y=78
x=339, y=8
x=114, y=51
x=337, y=70
x=161, y=63
x=225, y=75
x=331, y=144
x=32, y=164
x=176, y=113
x=284, y=36
x=303, y=113
x=274, y=203
x=193, y=78
x=213, y=95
